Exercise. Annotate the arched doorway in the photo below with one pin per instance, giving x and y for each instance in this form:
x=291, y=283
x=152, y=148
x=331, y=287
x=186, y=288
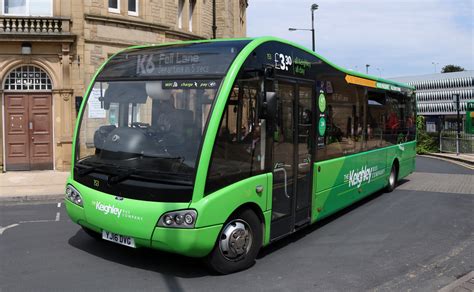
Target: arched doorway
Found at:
x=28, y=119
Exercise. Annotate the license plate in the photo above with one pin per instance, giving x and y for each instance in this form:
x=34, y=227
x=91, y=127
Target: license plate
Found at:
x=117, y=238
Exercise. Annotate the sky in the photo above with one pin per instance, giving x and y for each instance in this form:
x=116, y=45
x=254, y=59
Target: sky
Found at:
x=396, y=37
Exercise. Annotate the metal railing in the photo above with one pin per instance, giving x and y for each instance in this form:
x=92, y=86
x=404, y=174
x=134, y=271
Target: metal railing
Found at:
x=448, y=142
x=34, y=24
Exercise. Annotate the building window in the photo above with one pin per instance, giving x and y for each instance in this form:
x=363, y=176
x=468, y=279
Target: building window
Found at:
x=114, y=6
x=27, y=78
x=192, y=5
x=243, y=9
x=28, y=7
x=180, y=13
x=133, y=7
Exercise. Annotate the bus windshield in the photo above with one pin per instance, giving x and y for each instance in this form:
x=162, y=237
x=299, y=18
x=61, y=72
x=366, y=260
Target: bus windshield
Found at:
x=147, y=111
x=145, y=128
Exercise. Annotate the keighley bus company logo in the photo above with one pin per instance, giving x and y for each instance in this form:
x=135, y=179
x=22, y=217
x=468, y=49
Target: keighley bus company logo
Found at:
x=365, y=174
x=108, y=209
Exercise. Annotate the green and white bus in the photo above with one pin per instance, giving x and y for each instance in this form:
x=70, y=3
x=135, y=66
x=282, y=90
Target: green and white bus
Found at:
x=213, y=149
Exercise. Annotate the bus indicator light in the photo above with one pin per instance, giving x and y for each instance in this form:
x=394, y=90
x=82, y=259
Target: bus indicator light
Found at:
x=188, y=218
x=73, y=195
x=178, y=219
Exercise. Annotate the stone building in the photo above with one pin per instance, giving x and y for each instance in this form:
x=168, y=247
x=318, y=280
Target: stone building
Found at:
x=50, y=49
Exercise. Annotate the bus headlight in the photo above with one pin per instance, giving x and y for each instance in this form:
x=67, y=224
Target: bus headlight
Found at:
x=178, y=219
x=168, y=220
x=73, y=195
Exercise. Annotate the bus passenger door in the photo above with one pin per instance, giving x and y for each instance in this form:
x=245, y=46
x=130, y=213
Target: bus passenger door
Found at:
x=283, y=162
x=291, y=160
x=304, y=160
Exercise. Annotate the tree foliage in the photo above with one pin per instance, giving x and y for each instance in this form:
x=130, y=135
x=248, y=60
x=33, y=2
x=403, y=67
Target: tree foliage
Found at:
x=425, y=143
x=452, y=68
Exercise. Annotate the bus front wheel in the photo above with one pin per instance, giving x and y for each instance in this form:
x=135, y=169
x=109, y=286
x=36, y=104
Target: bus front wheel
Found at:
x=238, y=244
x=392, y=179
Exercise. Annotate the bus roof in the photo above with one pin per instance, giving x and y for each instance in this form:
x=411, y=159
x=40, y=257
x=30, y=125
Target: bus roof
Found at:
x=255, y=42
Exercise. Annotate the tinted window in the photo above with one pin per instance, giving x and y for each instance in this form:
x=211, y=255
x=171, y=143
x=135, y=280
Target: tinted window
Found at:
x=344, y=119
x=378, y=133
x=238, y=150
x=144, y=128
x=401, y=117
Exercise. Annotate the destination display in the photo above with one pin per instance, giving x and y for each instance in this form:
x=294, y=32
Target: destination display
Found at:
x=176, y=60
x=172, y=63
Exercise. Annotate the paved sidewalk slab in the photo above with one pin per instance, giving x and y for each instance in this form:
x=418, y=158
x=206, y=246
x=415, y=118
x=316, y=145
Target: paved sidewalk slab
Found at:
x=466, y=158
x=32, y=185
x=440, y=182
x=463, y=284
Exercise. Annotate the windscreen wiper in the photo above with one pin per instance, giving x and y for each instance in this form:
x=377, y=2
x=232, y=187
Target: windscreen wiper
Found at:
x=163, y=157
x=119, y=177
x=83, y=170
x=180, y=159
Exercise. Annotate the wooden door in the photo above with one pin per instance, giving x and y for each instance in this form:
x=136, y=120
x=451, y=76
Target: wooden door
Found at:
x=40, y=130
x=17, y=146
x=28, y=132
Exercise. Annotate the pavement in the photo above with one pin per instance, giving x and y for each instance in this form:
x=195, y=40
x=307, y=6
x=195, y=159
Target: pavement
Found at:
x=18, y=186
x=463, y=284
x=462, y=157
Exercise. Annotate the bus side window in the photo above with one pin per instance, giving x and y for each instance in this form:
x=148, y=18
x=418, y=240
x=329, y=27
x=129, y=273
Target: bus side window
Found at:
x=376, y=120
x=237, y=152
x=401, y=119
x=344, y=125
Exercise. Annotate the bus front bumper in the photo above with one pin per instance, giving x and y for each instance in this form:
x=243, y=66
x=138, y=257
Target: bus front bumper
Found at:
x=196, y=242
x=192, y=242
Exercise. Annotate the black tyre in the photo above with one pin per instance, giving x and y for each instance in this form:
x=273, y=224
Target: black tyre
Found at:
x=238, y=243
x=92, y=233
x=392, y=179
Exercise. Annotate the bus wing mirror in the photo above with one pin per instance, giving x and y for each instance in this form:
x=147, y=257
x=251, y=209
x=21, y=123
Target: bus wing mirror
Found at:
x=269, y=72
x=270, y=106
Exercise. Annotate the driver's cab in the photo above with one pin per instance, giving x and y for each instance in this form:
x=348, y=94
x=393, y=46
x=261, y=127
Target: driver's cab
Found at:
x=129, y=122
x=147, y=118
x=167, y=117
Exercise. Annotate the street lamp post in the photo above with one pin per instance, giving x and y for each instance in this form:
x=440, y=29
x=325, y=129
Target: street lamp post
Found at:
x=313, y=8
x=458, y=122
x=367, y=68
x=435, y=63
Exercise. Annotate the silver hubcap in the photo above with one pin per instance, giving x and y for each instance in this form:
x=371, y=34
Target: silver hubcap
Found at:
x=391, y=179
x=236, y=239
